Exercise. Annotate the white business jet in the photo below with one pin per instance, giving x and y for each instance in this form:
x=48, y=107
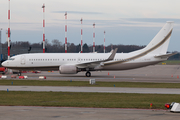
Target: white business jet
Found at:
x=72, y=63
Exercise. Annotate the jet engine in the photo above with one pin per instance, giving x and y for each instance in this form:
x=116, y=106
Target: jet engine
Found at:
x=68, y=69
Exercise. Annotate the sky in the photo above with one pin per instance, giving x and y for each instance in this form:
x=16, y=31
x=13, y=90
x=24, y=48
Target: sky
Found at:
x=127, y=22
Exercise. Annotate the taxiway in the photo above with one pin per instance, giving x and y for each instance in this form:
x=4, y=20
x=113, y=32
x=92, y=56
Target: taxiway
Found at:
x=156, y=74
x=67, y=113
x=91, y=89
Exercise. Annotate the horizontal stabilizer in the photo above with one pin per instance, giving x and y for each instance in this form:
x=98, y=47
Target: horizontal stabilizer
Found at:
x=165, y=55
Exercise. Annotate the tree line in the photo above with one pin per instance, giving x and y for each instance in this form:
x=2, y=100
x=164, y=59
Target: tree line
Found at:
x=55, y=46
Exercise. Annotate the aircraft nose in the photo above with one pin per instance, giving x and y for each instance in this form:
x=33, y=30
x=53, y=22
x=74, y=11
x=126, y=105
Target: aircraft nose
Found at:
x=4, y=64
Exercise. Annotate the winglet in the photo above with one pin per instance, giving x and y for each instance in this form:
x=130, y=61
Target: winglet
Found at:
x=111, y=57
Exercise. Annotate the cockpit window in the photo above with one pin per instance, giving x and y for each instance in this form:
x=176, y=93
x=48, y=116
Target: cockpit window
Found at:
x=11, y=58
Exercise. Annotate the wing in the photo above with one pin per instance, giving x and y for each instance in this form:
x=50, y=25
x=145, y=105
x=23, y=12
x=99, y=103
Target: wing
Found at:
x=96, y=63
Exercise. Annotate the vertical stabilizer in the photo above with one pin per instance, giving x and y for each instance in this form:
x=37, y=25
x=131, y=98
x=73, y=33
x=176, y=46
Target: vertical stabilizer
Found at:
x=160, y=42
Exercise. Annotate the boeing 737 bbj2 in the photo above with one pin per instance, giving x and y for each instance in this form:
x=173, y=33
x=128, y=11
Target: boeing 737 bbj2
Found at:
x=72, y=63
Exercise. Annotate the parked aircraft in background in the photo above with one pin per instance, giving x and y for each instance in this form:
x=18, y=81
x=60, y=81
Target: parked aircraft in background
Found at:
x=72, y=63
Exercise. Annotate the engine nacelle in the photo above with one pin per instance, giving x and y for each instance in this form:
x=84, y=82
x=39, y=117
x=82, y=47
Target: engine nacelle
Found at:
x=68, y=69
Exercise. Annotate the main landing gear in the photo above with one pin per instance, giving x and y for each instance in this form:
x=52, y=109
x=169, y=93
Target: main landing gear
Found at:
x=88, y=74
x=19, y=73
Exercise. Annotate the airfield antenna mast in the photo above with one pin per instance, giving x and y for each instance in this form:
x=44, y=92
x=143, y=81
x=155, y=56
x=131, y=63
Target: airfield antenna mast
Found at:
x=104, y=41
x=81, y=36
x=9, y=31
x=43, y=28
x=0, y=44
x=65, y=32
x=94, y=37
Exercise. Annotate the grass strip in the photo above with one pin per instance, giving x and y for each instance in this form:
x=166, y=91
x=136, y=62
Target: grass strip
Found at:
x=171, y=62
x=97, y=100
x=86, y=84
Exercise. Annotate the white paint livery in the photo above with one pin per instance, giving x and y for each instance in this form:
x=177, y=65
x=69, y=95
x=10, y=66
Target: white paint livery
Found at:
x=72, y=63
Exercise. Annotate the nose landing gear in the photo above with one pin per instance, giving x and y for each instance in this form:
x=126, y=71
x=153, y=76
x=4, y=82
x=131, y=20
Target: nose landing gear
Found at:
x=88, y=74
